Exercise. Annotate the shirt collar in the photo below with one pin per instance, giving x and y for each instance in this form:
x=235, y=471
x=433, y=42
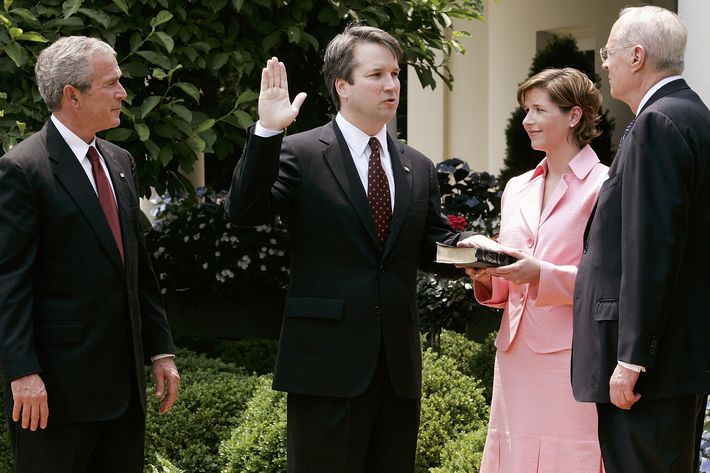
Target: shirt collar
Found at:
x=358, y=140
x=654, y=89
x=78, y=146
x=580, y=164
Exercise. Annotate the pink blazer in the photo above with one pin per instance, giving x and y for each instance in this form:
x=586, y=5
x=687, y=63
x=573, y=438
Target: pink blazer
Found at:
x=554, y=236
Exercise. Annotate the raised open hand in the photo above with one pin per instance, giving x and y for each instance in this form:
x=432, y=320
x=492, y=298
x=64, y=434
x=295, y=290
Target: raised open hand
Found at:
x=276, y=111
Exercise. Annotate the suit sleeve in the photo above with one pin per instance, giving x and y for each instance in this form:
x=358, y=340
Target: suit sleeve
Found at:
x=264, y=181
x=655, y=196
x=156, y=336
x=19, y=241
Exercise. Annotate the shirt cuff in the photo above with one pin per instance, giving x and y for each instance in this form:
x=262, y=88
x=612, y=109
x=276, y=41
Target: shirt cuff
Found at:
x=265, y=132
x=637, y=368
x=155, y=358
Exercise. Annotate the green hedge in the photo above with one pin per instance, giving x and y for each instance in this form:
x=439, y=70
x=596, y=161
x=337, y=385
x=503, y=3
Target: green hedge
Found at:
x=464, y=453
x=212, y=396
x=258, y=444
x=474, y=359
x=452, y=405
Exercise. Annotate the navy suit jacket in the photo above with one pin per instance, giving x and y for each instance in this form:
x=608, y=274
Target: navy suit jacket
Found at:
x=643, y=281
x=348, y=294
x=70, y=309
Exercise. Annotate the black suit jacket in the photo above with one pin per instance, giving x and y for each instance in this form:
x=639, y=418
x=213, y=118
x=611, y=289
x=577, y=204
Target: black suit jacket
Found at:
x=347, y=293
x=643, y=282
x=70, y=310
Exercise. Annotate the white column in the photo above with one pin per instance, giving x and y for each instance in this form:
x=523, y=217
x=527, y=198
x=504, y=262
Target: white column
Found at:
x=425, y=118
x=696, y=15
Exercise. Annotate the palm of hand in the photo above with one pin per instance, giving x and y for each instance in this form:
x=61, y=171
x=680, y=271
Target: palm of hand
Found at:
x=274, y=104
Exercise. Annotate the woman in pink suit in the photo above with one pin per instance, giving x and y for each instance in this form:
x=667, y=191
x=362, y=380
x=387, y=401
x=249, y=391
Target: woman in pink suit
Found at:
x=536, y=425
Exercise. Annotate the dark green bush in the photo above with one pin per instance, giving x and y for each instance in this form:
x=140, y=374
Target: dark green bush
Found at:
x=257, y=355
x=212, y=396
x=463, y=454
x=452, y=404
x=258, y=443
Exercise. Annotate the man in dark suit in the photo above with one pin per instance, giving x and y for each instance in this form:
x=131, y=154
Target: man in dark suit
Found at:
x=80, y=306
x=363, y=214
x=641, y=345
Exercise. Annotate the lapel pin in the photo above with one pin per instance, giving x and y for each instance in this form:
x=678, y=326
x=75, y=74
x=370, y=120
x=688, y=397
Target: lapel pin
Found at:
x=123, y=176
x=406, y=169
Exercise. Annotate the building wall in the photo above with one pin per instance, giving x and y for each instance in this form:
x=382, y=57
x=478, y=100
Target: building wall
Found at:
x=469, y=122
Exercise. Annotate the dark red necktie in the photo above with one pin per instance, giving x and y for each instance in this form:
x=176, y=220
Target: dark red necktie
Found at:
x=378, y=192
x=106, y=198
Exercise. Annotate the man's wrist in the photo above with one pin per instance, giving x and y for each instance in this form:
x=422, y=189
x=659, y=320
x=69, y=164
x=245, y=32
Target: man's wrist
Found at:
x=262, y=131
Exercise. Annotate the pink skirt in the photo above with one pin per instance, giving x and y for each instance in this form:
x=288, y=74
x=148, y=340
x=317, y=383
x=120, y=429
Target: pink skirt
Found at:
x=536, y=426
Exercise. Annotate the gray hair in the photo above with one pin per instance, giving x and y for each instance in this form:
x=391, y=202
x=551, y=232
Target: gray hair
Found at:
x=67, y=62
x=338, y=62
x=661, y=32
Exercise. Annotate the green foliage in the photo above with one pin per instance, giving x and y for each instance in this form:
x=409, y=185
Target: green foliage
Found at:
x=194, y=246
x=519, y=156
x=164, y=466
x=192, y=69
x=6, y=462
x=472, y=358
x=258, y=443
x=464, y=453
x=256, y=355
x=212, y=396
x=452, y=405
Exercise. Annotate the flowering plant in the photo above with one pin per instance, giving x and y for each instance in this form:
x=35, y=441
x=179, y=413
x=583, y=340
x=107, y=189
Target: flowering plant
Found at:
x=705, y=443
x=194, y=246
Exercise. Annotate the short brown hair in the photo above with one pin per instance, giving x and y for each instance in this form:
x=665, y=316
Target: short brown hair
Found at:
x=568, y=88
x=338, y=62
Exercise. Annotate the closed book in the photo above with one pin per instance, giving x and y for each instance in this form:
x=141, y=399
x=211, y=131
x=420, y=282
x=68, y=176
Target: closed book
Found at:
x=467, y=256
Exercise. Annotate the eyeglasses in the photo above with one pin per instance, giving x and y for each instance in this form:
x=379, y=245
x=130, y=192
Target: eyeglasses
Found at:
x=604, y=51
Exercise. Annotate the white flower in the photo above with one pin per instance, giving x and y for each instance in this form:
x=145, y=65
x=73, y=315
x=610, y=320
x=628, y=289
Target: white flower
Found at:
x=217, y=254
x=196, y=237
x=204, y=266
x=262, y=267
x=272, y=241
x=186, y=239
x=202, y=225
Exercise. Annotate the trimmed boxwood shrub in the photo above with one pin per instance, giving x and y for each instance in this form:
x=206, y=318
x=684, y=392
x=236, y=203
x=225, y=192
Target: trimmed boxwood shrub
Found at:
x=452, y=405
x=472, y=358
x=258, y=443
x=464, y=453
x=212, y=396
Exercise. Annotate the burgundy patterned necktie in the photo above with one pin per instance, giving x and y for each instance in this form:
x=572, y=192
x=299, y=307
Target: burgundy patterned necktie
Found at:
x=378, y=192
x=106, y=198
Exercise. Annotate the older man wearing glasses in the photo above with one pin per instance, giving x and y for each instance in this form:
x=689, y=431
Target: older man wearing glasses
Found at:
x=641, y=347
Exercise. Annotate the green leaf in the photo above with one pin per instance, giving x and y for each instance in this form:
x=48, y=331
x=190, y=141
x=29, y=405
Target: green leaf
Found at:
x=238, y=4
x=247, y=96
x=71, y=21
x=8, y=142
x=26, y=14
x=311, y=40
x=70, y=7
x=166, y=40
x=15, y=32
x=245, y=120
x=5, y=21
x=197, y=144
x=159, y=74
x=17, y=53
x=148, y=105
x=271, y=40
x=7, y=4
x=159, y=59
x=153, y=149
x=122, y=5
x=97, y=15
x=162, y=17
x=190, y=90
x=205, y=125
x=294, y=34
x=182, y=112
x=21, y=126
x=118, y=134
x=143, y=131
x=219, y=60
x=33, y=36
x=165, y=155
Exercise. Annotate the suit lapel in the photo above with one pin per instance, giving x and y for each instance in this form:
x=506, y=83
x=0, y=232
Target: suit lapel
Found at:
x=401, y=168
x=530, y=198
x=337, y=156
x=73, y=178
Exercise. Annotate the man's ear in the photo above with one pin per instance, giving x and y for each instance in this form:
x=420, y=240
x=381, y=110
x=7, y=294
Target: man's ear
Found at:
x=69, y=95
x=341, y=87
x=639, y=58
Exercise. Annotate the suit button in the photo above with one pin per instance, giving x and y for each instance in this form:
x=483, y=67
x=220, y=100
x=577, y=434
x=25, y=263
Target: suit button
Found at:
x=382, y=269
x=378, y=310
x=530, y=242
